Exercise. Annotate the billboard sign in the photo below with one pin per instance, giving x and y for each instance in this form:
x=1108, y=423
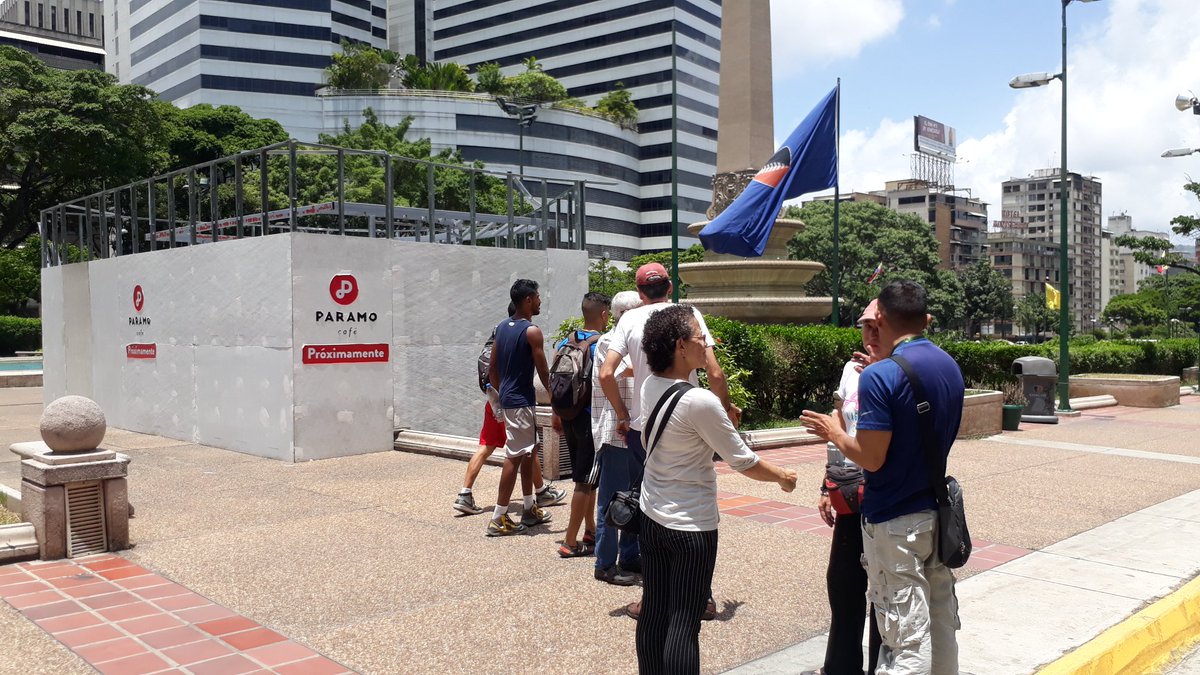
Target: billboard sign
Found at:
x=934, y=138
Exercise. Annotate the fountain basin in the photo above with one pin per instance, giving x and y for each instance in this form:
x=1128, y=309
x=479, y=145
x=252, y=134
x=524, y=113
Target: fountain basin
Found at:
x=748, y=278
x=776, y=248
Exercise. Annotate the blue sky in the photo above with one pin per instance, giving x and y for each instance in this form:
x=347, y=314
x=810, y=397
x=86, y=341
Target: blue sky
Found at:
x=952, y=59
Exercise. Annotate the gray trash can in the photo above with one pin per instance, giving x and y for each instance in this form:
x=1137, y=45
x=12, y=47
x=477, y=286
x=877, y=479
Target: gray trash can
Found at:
x=1038, y=376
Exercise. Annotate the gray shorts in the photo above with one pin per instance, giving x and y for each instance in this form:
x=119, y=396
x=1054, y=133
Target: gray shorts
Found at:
x=520, y=427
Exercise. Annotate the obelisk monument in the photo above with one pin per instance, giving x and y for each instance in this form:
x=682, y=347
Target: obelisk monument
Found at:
x=745, y=119
x=769, y=289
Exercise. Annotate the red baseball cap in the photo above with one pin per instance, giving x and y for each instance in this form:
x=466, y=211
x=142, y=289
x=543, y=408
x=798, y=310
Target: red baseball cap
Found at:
x=651, y=273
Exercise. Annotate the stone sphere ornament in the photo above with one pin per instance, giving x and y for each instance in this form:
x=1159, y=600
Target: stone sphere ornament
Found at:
x=73, y=424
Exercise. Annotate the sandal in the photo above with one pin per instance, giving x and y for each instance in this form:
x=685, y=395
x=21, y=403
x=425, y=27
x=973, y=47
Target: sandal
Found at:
x=589, y=538
x=581, y=549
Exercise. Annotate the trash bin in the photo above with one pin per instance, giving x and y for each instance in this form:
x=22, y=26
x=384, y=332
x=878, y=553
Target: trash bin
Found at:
x=1038, y=376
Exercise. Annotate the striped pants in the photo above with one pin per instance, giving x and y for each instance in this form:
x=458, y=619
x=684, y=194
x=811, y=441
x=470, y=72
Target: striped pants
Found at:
x=677, y=571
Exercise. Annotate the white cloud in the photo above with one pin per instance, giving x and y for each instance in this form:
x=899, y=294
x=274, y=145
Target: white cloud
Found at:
x=819, y=32
x=934, y=21
x=1121, y=118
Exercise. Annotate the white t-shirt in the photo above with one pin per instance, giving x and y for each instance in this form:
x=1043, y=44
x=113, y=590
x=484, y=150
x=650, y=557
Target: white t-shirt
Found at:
x=679, y=487
x=847, y=391
x=627, y=340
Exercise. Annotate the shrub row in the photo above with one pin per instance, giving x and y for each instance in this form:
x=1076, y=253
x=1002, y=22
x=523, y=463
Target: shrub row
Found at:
x=794, y=367
x=18, y=333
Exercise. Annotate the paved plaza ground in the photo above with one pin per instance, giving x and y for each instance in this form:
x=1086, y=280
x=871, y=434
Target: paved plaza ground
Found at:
x=358, y=563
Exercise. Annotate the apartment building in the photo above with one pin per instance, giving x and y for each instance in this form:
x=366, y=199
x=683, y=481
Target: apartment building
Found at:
x=1031, y=209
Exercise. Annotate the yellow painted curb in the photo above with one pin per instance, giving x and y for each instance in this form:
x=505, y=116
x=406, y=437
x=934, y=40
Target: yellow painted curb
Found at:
x=1143, y=643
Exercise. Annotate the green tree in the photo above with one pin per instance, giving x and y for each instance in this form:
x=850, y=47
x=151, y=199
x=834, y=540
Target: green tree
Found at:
x=537, y=87
x=618, y=105
x=64, y=134
x=871, y=233
x=203, y=133
x=359, y=66
x=1155, y=251
x=488, y=78
x=365, y=178
x=447, y=76
x=20, y=275
x=987, y=293
x=604, y=277
x=1134, y=309
x=1032, y=314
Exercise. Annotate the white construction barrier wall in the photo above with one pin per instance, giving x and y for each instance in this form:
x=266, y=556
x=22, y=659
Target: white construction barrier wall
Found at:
x=292, y=346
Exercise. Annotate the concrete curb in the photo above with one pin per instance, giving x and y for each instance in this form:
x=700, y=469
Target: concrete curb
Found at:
x=1143, y=643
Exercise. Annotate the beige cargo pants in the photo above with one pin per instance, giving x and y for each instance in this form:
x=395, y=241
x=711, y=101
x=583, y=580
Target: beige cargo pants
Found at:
x=912, y=594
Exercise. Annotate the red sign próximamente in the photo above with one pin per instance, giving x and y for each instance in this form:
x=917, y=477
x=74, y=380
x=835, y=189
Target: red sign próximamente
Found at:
x=344, y=353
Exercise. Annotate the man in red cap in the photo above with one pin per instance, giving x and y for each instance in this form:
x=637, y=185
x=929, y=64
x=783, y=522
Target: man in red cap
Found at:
x=654, y=287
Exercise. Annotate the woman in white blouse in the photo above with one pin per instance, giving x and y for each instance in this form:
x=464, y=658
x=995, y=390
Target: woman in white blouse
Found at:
x=679, y=494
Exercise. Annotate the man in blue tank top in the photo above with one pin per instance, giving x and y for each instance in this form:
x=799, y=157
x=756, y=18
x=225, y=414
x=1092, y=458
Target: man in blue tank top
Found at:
x=516, y=354
x=911, y=590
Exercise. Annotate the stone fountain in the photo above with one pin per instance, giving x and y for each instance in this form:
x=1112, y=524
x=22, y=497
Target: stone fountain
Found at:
x=769, y=289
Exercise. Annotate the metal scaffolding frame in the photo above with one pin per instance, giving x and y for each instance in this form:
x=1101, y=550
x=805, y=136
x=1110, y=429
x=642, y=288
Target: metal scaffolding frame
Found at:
x=218, y=201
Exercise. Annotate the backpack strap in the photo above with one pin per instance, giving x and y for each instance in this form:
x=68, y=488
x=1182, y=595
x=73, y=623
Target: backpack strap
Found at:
x=934, y=462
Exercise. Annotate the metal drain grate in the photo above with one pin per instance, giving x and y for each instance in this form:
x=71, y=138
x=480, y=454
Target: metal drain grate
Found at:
x=85, y=520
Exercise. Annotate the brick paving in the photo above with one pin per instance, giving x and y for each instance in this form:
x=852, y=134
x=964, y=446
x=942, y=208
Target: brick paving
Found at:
x=124, y=620
x=984, y=556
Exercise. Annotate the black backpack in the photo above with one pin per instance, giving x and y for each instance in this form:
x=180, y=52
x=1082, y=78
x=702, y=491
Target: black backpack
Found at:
x=485, y=361
x=571, y=376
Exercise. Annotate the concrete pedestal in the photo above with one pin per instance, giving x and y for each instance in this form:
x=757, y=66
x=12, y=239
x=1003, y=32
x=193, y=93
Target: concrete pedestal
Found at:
x=47, y=478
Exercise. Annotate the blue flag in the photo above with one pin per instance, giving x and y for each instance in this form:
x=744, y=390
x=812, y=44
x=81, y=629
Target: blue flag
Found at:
x=807, y=162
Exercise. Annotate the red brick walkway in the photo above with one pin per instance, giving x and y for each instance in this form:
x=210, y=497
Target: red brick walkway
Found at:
x=123, y=619
x=984, y=556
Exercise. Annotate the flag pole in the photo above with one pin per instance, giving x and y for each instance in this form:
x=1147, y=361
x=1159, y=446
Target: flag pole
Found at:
x=674, y=174
x=835, y=318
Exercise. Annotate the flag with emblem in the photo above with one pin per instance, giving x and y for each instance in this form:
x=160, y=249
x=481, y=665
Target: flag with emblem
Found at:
x=875, y=274
x=1053, y=297
x=807, y=162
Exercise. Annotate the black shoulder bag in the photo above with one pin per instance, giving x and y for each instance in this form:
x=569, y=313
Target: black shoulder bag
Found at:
x=953, y=538
x=624, y=510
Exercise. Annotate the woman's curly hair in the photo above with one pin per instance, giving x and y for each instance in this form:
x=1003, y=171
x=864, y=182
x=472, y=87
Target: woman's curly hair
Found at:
x=663, y=330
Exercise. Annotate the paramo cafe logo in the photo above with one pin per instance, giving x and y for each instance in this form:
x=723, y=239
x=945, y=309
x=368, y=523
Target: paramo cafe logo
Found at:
x=343, y=291
x=140, y=321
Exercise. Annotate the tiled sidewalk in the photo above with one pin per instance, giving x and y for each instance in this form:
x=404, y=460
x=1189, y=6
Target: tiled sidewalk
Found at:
x=986, y=554
x=794, y=454
x=123, y=619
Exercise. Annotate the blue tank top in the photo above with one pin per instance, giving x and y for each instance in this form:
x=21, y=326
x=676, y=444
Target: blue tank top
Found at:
x=514, y=363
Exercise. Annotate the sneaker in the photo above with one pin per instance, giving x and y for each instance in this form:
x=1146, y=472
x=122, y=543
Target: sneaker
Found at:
x=504, y=527
x=550, y=495
x=632, y=566
x=535, y=516
x=465, y=504
x=613, y=575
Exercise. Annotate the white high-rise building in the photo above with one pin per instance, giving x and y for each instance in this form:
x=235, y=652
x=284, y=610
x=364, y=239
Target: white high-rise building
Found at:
x=591, y=47
x=266, y=56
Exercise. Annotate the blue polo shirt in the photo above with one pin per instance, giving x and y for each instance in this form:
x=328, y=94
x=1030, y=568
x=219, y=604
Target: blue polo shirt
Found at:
x=885, y=403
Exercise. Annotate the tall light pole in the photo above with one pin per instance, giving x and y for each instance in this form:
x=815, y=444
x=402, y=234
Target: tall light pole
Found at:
x=1064, y=281
x=525, y=113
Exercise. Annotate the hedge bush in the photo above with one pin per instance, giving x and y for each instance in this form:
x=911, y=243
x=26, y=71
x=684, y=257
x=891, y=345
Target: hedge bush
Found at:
x=18, y=333
x=796, y=367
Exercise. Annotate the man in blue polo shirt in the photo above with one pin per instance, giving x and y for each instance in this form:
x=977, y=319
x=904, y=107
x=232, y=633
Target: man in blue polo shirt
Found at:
x=911, y=590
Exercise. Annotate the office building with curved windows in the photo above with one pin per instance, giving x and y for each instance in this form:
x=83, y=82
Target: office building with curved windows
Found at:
x=268, y=57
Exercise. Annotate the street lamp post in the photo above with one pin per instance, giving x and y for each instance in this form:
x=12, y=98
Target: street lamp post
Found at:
x=525, y=113
x=1064, y=314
